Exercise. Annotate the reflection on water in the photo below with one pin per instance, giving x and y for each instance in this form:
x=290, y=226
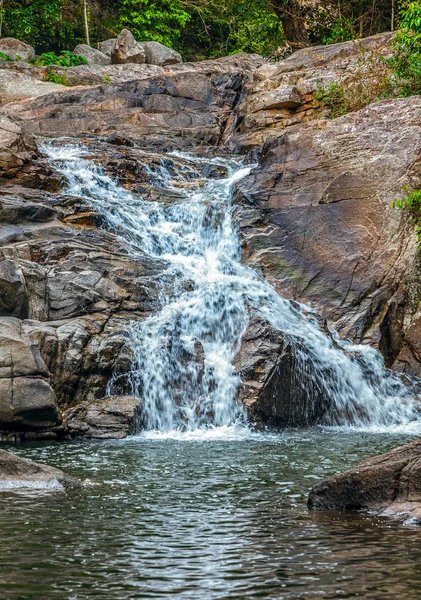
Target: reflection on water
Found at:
x=215, y=518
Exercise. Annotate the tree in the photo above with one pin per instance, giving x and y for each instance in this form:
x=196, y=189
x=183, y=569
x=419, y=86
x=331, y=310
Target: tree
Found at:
x=85, y=20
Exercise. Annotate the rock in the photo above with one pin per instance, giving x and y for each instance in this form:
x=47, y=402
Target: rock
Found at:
x=188, y=105
x=316, y=217
x=93, y=56
x=127, y=50
x=16, y=49
x=274, y=390
x=16, y=149
x=158, y=54
x=107, y=47
x=13, y=292
x=388, y=484
x=17, y=86
x=19, y=473
x=113, y=417
x=27, y=401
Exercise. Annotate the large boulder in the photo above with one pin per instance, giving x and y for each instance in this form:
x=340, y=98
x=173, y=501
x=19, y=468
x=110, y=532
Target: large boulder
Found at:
x=127, y=50
x=107, y=47
x=274, y=390
x=387, y=484
x=158, y=54
x=113, y=417
x=16, y=86
x=93, y=56
x=16, y=49
x=27, y=401
x=18, y=473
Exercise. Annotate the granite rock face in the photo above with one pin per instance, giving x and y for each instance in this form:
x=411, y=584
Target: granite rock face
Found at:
x=16, y=49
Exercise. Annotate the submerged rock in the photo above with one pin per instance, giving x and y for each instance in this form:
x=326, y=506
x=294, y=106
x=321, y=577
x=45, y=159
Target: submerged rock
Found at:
x=18, y=473
x=389, y=484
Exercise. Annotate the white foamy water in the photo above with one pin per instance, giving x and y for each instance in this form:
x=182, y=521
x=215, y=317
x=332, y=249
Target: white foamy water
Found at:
x=183, y=366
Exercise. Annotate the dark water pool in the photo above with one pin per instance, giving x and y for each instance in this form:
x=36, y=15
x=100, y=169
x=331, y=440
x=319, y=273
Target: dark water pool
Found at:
x=209, y=519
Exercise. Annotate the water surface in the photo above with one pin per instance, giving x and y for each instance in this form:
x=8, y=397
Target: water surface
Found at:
x=212, y=517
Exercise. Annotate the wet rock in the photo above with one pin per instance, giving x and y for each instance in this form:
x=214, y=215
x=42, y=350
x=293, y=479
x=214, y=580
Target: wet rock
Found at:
x=114, y=417
x=158, y=54
x=388, y=484
x=127, y=50
x=93, y=56
x=275, y=390
x=19, y=473
x=16, y=49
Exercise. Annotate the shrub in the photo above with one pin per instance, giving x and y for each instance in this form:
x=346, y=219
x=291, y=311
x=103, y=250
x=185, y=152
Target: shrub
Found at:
x=64, y=59
x=370, y=81
x=55, y=78
x=412, y=204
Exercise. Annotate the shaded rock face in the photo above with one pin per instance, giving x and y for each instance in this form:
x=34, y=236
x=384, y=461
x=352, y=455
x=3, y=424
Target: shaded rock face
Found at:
x=275, y=390
x=389, y=484
x=19, y=473
x=316, y=217
x=27, y=400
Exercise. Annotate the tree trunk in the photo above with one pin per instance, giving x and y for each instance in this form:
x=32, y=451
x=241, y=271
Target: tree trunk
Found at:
x=293, y=22
x=85, y=18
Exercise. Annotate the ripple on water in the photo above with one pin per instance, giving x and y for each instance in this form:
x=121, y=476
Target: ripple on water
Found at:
x=221, y=517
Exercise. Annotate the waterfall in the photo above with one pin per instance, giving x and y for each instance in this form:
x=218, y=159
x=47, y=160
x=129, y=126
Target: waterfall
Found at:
x=183, y=354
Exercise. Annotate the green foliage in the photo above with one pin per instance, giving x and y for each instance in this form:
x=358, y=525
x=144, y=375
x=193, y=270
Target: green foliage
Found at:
x=64, y=59
x=5, y=57
x=411, y=203
x=406, y=60
x=162, y=21
x=55, y=78
x=371, y=80
x=107, y=79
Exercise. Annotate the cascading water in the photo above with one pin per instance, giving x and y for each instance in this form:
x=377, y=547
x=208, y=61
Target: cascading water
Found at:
x=183, y=366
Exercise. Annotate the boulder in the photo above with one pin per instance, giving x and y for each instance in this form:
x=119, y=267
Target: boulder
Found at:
x=274, y=390
x=114, y=417
x=388, y=484
x=93, y=56
x=18, y=473
x=107, y=47
x=16, y=149
x=158, y=54
x=18, y=86
x=127, y=50
x=13, y=292
x=16, y=49
x=27, y=401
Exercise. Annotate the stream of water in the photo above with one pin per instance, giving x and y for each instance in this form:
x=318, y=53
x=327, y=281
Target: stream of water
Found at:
x=198, y=506
x=207, y=297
